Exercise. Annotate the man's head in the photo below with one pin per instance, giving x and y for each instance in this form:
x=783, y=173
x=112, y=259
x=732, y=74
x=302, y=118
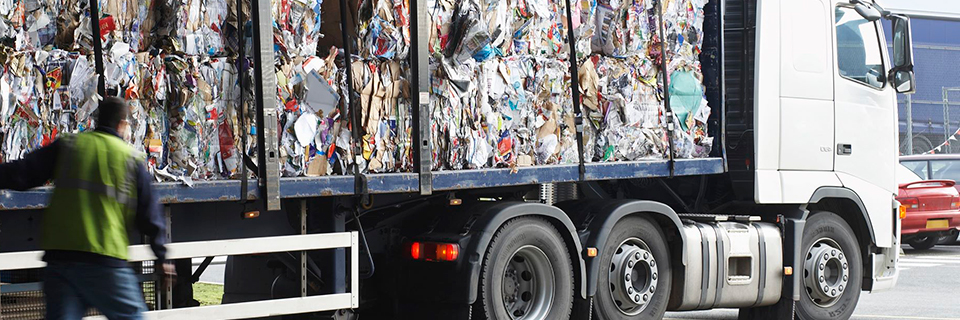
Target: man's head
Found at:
x=113, y=114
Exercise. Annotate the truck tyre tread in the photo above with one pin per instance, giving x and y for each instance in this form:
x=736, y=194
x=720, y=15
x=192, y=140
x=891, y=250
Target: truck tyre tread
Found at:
x=828, y=225
x=513, y=235
x=640, y=227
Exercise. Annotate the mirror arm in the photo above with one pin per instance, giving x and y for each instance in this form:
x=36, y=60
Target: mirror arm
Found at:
x=883, y=12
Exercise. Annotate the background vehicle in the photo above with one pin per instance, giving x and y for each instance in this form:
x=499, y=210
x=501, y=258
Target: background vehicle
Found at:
x=793, y=211
x=936, y=167
x=933, y=166
x=932, y=209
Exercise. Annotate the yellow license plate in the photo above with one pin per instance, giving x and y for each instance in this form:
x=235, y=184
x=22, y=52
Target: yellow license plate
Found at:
x=938, y=224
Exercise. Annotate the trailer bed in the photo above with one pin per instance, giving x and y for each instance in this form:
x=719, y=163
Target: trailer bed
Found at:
x=308, y=187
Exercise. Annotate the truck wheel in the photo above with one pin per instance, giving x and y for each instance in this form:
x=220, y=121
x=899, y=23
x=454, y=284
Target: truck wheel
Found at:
x=832, y=269
x=924, y=242
x=634, y=279
x=527, y=273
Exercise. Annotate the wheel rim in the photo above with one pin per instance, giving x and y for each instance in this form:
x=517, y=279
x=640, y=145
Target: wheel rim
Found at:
x=826, y=272
x=633, y=276
x=528, y=284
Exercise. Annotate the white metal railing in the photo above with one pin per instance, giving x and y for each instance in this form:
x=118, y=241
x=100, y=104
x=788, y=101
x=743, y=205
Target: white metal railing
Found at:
x=184, y=250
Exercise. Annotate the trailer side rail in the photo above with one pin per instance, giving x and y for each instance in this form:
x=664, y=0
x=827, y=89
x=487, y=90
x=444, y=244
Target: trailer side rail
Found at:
x=186, y=250
x=308, y=187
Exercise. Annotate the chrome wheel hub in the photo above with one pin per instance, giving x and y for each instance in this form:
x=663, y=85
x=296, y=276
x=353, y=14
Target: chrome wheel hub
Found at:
x=826, y=272
x=633, y=276
x=528, y=284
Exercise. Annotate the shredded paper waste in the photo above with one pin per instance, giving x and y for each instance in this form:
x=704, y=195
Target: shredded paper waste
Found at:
x=500, y=82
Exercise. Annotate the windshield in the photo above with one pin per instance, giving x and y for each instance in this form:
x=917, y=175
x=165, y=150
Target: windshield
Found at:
x=858, y=49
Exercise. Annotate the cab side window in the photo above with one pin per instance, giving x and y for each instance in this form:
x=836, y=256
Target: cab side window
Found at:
x=858, y=49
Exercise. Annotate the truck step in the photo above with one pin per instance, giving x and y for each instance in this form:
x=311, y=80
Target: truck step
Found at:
x=715, y=217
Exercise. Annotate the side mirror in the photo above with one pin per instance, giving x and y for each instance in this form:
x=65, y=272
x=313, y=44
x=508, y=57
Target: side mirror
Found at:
x=902, y=42
x=904, y=80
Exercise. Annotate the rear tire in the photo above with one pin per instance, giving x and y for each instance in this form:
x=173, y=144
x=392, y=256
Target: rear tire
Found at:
x=924, y=242
x=527, y=273
x=832, y=272
x=634, y=241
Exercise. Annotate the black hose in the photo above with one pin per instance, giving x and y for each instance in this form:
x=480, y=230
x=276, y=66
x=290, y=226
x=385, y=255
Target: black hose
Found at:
x=274, y=285
x=363, y=237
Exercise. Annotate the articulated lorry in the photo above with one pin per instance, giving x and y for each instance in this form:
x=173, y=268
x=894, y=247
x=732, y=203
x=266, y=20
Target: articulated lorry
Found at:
x=790, y=212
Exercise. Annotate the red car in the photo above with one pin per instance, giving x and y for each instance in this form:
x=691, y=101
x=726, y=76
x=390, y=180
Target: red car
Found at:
x=932, y=209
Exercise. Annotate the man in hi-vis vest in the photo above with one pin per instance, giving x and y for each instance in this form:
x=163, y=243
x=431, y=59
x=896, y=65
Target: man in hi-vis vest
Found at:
x=101, y=187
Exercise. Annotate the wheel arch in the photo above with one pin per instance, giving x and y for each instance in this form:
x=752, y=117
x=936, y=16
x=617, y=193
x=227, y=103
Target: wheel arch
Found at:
x=492, y=216
x=848, y=205
x=596, y=219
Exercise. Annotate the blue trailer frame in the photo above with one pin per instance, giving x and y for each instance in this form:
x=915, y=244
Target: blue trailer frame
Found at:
x=309, y=187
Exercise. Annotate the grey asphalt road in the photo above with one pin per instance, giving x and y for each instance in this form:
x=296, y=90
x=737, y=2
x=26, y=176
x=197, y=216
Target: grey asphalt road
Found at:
x=928, y=289
x=214, y=272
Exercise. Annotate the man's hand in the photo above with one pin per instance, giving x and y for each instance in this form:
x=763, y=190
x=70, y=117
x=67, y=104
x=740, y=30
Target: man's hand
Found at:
x=170, y=273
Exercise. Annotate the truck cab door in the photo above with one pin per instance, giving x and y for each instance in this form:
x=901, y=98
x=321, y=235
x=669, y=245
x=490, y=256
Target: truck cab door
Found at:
x=866, y=115
x=865, y=106
x=806, y=86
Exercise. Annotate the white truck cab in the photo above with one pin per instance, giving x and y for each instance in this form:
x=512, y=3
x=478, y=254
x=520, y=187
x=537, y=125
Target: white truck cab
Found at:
x=826, y=114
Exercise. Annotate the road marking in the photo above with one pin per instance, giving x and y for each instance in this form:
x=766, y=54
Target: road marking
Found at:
x=937, y=257
x=930, y=261
x=901, y=317
x=918, y=265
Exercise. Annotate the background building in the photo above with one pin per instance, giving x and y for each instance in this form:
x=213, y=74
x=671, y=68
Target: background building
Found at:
x=934, y=110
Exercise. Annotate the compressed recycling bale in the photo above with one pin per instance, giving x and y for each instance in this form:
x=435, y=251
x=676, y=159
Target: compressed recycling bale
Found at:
x=683, y=21
x=621, y=79
x=500, y=87
x=380, y=72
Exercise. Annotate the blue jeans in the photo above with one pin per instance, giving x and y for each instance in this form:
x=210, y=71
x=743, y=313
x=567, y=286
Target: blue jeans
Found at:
x=71, y=288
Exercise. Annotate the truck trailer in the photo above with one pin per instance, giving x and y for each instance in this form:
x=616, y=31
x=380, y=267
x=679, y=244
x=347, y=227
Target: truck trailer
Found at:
x=790, y=212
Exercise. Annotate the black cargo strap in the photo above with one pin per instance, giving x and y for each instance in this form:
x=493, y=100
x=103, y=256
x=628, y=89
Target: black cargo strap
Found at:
x=666, y=86
x=575, y=88
x=242, y=73
x=360, y=180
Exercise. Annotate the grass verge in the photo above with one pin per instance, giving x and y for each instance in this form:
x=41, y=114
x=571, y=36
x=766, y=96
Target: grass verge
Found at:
x=207, y=294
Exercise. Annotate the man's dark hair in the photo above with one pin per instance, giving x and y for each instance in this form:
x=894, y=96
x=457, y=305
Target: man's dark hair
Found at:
x=112, y=110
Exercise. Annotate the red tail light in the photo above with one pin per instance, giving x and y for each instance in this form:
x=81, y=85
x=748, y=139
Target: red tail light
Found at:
x=415, y=251
x=912, y=204
x=432, y=251
x=955, y=203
